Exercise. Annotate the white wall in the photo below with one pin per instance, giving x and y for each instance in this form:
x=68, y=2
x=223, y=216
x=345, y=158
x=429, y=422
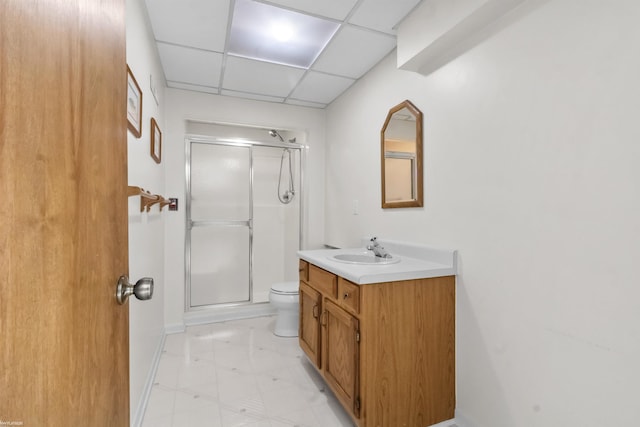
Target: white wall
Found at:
x=184, y=105
x=146, y=230
x=532, y=147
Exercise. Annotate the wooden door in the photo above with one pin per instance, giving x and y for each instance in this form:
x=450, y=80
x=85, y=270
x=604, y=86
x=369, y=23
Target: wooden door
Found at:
x=63, y=216
x=309, y=333
x=341, y=354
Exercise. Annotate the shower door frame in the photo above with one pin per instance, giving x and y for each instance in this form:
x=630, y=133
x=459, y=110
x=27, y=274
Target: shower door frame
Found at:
x=189, y=223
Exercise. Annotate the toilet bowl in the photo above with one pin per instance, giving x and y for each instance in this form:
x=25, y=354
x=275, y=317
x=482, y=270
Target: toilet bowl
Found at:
x=284, y=297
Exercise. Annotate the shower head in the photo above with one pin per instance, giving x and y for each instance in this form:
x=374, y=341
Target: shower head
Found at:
x=275, y=133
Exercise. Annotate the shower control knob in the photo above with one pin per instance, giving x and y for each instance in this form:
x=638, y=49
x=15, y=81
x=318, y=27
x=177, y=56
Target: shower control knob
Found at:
x=143, y=289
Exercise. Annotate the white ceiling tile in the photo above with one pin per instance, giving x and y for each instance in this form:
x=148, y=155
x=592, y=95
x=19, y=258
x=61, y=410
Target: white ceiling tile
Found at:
x=335, y=9
x=382, y=15
x=247, y=75
x=195, y=23
x=195, y=66
x=321, y=88
x=354, y=51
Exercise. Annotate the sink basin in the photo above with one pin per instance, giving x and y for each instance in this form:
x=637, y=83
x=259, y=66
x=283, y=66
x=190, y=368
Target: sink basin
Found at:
x=364, y=258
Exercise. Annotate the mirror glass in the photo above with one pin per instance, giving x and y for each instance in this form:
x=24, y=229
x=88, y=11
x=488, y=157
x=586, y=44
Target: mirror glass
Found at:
x=401, y=157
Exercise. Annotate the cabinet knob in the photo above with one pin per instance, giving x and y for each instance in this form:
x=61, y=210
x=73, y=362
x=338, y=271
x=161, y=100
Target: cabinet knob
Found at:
x=346, y=295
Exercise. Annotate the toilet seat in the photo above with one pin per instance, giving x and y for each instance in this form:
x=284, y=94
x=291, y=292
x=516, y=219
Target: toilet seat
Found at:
x=285, y=288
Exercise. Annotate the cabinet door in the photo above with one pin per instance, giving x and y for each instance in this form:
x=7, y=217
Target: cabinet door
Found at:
x=341, y=354
x=309, y=333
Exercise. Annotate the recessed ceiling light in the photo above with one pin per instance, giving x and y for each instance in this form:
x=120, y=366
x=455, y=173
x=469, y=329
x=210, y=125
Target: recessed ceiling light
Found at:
x=268, y=33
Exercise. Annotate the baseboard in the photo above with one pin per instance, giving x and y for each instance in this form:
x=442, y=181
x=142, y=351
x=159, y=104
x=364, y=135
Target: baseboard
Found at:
x=146, y=391
x=222, y=314
x=175, y=328
x=459, y=421
x=462, y=421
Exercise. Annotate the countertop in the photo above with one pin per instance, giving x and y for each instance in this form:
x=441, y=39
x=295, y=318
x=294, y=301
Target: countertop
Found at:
x=414, y=264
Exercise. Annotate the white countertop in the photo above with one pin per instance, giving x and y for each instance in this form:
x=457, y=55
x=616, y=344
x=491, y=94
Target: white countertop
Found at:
x=416, y=262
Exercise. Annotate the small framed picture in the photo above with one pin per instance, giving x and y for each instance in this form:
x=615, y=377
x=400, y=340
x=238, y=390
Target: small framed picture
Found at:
x=134, y=105
x=156, y=141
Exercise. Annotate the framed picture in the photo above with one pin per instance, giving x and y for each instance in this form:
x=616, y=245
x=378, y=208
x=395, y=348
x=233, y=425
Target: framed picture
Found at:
x=156, y=141
x=134, y=105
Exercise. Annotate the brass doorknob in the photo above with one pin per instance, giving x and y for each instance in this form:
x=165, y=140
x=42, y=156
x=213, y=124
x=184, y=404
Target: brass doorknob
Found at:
x=143, y=289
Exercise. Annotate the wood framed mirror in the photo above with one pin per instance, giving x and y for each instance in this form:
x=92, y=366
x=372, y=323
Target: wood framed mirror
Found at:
x=401, y=157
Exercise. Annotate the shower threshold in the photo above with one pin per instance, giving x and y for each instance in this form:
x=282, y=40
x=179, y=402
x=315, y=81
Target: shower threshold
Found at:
x=225, y=312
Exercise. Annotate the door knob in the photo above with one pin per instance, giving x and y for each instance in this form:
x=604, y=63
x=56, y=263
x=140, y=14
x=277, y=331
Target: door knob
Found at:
x=143, y=289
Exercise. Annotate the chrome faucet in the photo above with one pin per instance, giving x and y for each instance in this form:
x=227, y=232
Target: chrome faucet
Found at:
x=377, y=249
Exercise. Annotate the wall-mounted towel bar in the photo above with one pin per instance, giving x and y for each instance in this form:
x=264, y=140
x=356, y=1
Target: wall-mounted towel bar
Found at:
x=147, y=199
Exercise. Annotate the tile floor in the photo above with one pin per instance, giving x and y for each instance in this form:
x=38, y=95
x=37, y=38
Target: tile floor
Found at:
x=237, y=373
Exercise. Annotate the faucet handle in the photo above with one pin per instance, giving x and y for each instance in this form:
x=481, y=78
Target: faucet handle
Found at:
x=374, y=244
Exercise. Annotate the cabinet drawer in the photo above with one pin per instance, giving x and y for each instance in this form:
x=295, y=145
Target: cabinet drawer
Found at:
x=349, y=295
x=323, y=281
x=303, y=268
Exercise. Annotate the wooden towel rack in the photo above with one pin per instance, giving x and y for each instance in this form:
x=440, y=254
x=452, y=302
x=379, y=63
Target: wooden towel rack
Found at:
x=147, y=199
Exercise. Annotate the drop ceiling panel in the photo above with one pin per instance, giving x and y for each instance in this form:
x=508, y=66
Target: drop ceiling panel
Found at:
x=187, y=65
x=353, y=52
x=321, y=88
x=382, y=15
x=194, y=23
x=247, y=75
x=335, y=9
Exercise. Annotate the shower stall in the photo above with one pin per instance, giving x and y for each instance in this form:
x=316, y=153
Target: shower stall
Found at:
x=243, y=219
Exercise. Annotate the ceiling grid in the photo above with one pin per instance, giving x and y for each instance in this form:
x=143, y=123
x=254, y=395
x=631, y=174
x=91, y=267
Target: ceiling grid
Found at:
x=193, y=41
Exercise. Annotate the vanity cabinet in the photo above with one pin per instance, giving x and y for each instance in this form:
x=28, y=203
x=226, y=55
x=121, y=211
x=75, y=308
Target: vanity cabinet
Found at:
x=386, y=350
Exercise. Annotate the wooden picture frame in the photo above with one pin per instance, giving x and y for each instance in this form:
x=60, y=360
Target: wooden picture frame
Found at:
x=134, y=105
x=156, y=141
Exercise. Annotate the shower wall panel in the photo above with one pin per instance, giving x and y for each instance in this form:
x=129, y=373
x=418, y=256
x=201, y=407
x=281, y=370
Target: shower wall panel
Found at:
x=269, y=222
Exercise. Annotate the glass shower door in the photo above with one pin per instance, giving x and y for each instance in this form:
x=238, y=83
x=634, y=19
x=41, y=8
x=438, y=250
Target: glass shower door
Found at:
x=219, y=222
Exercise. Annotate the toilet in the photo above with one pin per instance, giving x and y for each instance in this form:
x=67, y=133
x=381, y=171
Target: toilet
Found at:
x=284, y=297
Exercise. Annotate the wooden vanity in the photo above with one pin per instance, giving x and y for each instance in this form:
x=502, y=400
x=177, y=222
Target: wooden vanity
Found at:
x=387, y=350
